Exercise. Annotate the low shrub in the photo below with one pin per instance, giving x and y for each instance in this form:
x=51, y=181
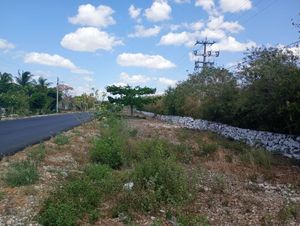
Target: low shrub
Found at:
x=61, y=139
x=107, y=150
x=21, y=173
x=289, y=212
x=188, y=219
x=102, y=176
x=38, y=154
x=163, y=177
x=208, y=149
x=69, y=203
x=257, y=157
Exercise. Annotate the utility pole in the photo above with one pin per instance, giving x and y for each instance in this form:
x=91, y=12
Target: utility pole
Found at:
x=57, y=83
x=204, y=63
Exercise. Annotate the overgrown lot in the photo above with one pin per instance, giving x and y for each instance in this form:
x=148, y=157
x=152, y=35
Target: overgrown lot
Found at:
x=137, y=171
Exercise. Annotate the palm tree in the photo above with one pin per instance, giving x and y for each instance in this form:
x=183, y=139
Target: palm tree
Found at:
x=42, y=82
x=24, y=78
x=6, y=81
x=6, y=78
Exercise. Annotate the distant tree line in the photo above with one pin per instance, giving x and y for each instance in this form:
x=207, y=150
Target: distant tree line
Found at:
x=23, y=95
x=262, y=94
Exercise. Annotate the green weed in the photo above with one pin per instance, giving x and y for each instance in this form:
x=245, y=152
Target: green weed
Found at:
x=69, y=203
x=61, y=139
x=38, y=154
x=257, y=157
x=21, y=173
x=107, y=150
x=289, y=212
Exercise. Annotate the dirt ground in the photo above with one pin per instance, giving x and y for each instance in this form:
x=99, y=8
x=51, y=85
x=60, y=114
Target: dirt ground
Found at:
x=229, y=192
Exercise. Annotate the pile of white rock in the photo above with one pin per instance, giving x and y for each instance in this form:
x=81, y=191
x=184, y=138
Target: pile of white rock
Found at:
x=287, y=145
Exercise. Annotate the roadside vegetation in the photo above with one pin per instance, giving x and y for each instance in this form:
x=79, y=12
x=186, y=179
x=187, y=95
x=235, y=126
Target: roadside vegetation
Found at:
x=22, y=95
x=263, y=94
x=136, y=176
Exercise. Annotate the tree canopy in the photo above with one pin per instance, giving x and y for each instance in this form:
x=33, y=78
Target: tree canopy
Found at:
x=130, y=96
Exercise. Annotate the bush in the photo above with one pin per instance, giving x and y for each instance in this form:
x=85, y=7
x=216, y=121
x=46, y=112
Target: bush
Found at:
x=257, y=157
x=61, y=139
x=102, y=176
x=69, y=203
x=38, y=154
x=107, y=150
x=21, y=173
x=208, y=149
x=162, y=176
x=291, y=211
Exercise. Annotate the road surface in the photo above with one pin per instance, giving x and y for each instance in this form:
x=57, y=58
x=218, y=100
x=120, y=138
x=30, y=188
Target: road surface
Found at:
x=17, y=134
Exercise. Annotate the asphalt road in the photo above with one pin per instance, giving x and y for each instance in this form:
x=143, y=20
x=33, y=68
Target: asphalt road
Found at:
x=17, y=134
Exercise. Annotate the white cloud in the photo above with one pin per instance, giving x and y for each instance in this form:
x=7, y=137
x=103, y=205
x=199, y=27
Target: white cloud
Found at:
x=235, y=6
x=218, y=22
x=141, y=31
x=166, y=81
x=54, y=61
x=133, y=79
x=144, y=60
x=230, y=44
x=207, y=5
x=182, y=1
x=89, y=39
x=89, y=15
x=159, y=11
x=134, y=12
x=196, y=26
x=6, y=45
x=175, y=38
x=213, y=34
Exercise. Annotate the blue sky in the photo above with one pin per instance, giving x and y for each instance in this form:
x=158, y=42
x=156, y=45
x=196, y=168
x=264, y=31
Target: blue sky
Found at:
x=92, y=44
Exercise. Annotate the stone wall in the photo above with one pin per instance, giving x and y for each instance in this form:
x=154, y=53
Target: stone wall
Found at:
x=287, y=145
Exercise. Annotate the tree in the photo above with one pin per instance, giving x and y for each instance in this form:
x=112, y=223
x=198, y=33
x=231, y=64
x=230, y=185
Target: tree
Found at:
x=42, y=83
x=6, y=81
x=130, y=96
x=24, y=78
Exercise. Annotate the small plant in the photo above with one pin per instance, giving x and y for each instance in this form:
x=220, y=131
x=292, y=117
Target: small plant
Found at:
x=257, y=157
x=188, y=219
x=289, y=212
x=164, y=177
x=133, y=132
x=69, y=203
x=61, y=139
x=209, y=149
x=107, y=150
x=2, y=195
x=219, y=184
x=38, y=154
x=21, y=173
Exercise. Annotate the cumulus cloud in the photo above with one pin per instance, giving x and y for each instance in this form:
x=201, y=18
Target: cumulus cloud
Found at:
x=218, y=22
x=89, y=39
x=6, y=45
x=230, y=44
x=207, y=5
x=134, y=12
x=182, y=1
x=134, y=79
x=177, y=39
x=168, y=82
x=141, y=31
x=144, y=60
x=89, y=15
x=54, y=61
x=235, y=6
x=159, y=11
